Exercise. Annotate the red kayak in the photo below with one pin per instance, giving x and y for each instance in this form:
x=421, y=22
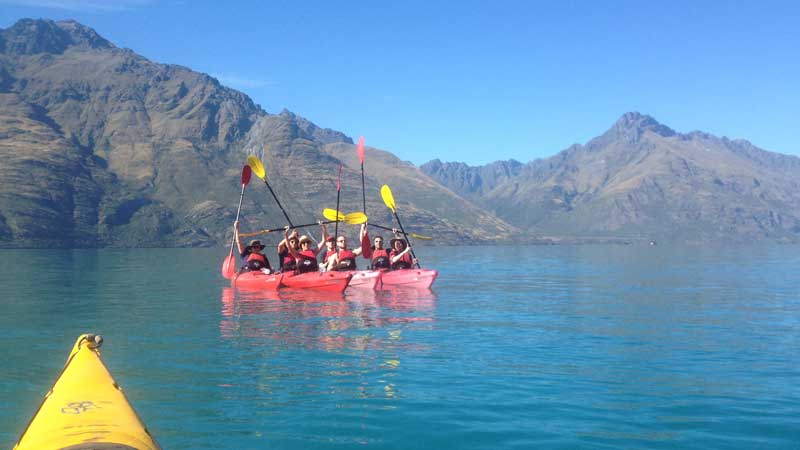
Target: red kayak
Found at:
x=365, y=279
x=325, y=281
x=410, y=278
x=257, y=280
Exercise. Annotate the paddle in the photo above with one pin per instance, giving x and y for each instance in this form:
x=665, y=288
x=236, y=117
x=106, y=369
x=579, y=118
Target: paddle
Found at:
x=361, y=158
x=388, y=199
x=353, y=219
x=229, y=265
x=366, y=250
x=414, y=235
x=338, y=195
x=258, y=169
x=356, y=218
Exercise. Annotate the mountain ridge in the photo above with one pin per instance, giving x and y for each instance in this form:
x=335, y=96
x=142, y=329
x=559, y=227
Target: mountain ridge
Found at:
x=643, y=180
x=103, y=147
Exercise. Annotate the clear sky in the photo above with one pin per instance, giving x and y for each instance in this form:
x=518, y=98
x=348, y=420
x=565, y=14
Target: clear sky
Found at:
x=479, y=81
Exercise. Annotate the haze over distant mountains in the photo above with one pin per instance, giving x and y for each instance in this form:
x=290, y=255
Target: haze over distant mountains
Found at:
x=101, y=147
x=641, y=180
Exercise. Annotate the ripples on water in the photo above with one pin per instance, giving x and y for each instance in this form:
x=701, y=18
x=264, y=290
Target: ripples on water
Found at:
x=594, y=346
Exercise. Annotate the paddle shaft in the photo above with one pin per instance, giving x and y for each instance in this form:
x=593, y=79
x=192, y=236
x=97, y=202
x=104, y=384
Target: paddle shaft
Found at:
x=405, y=236
x=272, y=230
x=363, y=191
x=382, y=227
x=336, y=227
x=279, y=203
x=238, y=210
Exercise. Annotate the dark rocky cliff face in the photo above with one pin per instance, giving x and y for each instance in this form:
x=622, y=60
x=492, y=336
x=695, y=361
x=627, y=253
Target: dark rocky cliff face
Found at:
x=643, y=180
x=100, y=146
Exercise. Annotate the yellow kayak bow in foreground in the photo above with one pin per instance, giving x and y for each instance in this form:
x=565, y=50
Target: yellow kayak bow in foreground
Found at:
x=86, y=409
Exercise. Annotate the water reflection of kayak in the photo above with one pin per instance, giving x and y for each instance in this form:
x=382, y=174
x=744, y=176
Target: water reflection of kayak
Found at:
x=86, y=409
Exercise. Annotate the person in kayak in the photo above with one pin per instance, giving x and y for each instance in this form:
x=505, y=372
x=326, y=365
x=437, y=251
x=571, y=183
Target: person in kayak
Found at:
x=344, y=258
x=400, y=257
x=306, y=256
x=380, y=256
x=288, y=262
x=324, y=255
x=252, y=258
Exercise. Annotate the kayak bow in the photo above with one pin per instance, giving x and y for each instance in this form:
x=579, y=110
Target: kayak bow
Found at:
x=257, y=280
x=86, y=409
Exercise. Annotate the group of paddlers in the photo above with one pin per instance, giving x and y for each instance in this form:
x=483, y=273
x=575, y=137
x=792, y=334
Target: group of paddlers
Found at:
x=301, y=255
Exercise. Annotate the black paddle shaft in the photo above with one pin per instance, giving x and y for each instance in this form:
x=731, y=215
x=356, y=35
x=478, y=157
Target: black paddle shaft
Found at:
x=363, y=192
x=405, y=236
x=336, y=226
x=279, y=203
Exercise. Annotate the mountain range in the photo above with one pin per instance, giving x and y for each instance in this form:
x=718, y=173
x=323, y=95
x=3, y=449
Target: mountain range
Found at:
x=641, y=180
x=102, y=147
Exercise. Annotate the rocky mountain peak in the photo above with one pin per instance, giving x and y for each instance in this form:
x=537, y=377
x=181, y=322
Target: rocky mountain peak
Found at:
x=32, y=36
x=637, y=123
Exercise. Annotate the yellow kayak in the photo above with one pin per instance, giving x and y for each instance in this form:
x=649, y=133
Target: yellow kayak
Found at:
x=86, y=409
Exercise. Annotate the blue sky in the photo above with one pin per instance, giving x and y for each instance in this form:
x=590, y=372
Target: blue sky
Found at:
x=479, y=81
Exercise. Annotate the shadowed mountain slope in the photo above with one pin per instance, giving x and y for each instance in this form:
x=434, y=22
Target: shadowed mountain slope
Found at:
x=102, y=147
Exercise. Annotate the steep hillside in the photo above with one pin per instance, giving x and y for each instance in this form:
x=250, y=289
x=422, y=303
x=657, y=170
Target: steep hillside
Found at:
x=643, y=180
x=101, y=146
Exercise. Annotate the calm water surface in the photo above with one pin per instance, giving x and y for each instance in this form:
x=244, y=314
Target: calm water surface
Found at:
x=555, y=347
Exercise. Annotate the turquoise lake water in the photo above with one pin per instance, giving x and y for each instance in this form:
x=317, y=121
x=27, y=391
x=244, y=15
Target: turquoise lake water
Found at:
x=551, y=347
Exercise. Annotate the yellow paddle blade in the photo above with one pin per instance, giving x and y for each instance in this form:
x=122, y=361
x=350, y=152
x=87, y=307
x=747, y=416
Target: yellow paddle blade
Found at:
x=256, y=166
x=332, y=214
x=387, y=196
x=419, y=236
x=356, y=218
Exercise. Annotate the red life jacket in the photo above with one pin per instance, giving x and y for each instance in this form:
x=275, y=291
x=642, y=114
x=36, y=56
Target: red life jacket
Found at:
x=403, y=263
x=380, y=258
x=257, y=261
x=288, y=263
x=307, y=261
x=347, y=260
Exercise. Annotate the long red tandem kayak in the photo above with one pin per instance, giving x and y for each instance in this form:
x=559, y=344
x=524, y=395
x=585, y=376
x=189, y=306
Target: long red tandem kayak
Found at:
x=257, y=280
x=410, y=278
x=325, y=281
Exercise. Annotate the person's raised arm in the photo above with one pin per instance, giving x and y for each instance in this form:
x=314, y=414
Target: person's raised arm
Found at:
x=321, y=243
x=361, y=234
x=236, y=234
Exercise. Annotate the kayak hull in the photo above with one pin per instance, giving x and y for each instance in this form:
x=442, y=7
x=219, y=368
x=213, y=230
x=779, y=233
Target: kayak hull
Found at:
x=86, y=409
x=409, y=278
x=365, y=279
x=325, y=281
x=257, y=281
